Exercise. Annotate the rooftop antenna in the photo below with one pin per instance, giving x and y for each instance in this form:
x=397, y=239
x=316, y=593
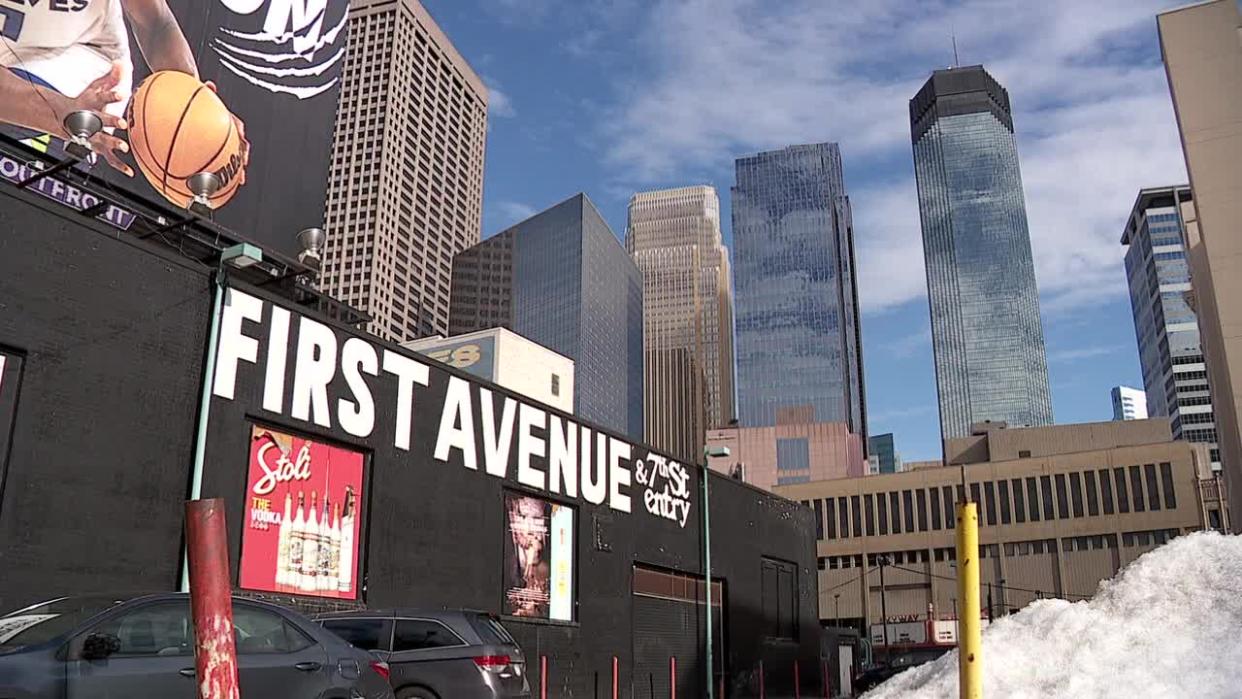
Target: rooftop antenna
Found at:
x=956, y=63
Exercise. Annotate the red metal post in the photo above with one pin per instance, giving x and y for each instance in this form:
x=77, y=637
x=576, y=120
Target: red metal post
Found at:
x=543, y=677
x=824, y=670
x=762, y=694
x=616, y=675
x=211, y=599
x=797, y=682
x=672, y=677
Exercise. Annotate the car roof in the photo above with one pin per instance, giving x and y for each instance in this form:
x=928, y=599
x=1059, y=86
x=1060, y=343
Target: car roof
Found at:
x=402, y=612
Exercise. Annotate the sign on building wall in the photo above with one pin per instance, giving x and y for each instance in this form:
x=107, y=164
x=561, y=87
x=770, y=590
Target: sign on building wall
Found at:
x=303, y=517
x=476, y=356
x=538, y=558
x=314, y=373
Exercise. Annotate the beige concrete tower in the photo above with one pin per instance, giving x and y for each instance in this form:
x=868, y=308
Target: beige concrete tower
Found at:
x=1202, y=48
x=674, y=237
x=405, y=192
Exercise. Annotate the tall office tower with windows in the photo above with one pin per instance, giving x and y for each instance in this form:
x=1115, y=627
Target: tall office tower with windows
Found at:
x=987, y=337
x=674, y=238
x=406, y=188
x=799, y=342
x=562, y=279
x=1129, y=403
x=1167, y=330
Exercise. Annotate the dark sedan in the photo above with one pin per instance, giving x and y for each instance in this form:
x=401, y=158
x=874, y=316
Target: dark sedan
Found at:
x=143, y=646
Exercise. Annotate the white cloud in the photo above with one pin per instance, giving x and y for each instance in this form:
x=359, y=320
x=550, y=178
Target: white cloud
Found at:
x=511, y=212
x=498, y=103
x=1080, y=353
x=904, y=347
x=715, y=79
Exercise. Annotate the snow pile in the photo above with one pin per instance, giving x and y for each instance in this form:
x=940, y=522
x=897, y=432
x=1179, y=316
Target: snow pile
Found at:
x=1169, y=625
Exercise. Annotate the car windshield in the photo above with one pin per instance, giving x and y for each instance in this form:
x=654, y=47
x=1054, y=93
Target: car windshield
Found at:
x=44, y=622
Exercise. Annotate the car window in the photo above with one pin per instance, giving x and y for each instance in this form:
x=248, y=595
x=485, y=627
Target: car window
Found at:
x=264, y=631
x=360, y=633
x=421, y=634
x=44, y=622
x=491, y=631
x=153, y=629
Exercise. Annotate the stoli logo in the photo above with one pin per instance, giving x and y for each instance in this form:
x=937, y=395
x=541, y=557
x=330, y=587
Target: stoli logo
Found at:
x=296, y=50
x=283, y=470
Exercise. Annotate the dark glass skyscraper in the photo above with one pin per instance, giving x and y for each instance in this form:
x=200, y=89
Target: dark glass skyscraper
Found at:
x=986, y=332
x=562, y=279
x=799, y=344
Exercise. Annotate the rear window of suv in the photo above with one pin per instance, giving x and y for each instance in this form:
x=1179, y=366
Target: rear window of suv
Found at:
x=491, y=631
x=360, y=633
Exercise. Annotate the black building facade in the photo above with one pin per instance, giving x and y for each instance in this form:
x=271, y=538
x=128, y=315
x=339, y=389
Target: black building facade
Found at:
x=103, y=339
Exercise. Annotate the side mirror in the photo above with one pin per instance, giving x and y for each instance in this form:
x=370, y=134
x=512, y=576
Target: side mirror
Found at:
x=98, y=646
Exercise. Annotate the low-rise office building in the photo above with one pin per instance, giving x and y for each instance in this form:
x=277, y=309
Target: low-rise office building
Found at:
x=1053, y=520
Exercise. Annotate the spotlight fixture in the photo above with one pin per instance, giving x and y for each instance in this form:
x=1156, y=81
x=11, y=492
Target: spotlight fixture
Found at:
x=241, y=255
x=81, y=125
x=202, y=185
x=311, y=240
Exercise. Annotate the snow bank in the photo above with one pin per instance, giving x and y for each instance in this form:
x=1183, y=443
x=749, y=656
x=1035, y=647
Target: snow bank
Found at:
x=1169, y=625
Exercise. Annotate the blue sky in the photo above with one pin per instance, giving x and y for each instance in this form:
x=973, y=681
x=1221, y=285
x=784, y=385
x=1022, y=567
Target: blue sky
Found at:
x=614, y=96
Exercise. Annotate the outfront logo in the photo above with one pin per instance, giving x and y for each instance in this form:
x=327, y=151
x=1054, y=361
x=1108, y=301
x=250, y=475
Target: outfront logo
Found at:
x=294, y=51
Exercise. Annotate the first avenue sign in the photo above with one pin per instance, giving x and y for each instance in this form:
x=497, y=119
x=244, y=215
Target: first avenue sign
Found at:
x=336, y=377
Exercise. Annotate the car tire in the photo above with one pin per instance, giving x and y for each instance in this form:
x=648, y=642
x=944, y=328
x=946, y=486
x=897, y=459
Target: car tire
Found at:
x=416, y=693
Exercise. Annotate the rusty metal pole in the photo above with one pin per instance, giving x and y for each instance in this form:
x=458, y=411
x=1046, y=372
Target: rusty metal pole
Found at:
x=211, y=599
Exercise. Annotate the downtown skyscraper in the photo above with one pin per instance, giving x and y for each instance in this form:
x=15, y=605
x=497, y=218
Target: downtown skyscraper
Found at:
x=799, y=344
x=1165, y=325
x=987, y=337
x=562, y=279
x=674, y=238
x=405, y=192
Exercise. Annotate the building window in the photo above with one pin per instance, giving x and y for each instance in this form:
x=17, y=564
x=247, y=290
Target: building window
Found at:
x=869, y=513
x=1136, y=489
x=920, y=499
x=1019, y=504
x=1045, y=491
x=1123, y=496
x=556, y=385
x=1075, y=484
x=1062, y=498
x=935, y=509
x=1003, y=487
x=843, y=517
x=1032, y=498
x=1024, y=454
x=894, y=501
x=1093, y=500
x=819, y=520
x=857, y=508
x=881, y=503
x=1170, y=492
x=950, y=517
x=793, y=454
x=1153, y=491
x=830, y=511
x=907, y=505
x=989, y=497
x=1106, y=491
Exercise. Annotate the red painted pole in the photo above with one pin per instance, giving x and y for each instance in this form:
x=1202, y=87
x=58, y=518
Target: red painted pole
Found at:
x=672, y=677
x=720, y=691
x=797, y=682
x=824, y=671
x=762, y=694
x=615, y=677
x=211, y=599
x=543, y=677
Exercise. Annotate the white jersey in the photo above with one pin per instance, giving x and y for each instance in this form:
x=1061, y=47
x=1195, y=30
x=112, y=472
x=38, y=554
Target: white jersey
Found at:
x=67, y=43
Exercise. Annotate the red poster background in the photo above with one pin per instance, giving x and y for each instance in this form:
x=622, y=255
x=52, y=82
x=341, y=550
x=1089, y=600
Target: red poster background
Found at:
x=329, y=470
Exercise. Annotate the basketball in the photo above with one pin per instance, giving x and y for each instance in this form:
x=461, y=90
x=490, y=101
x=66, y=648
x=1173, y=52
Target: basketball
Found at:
x=179, y=127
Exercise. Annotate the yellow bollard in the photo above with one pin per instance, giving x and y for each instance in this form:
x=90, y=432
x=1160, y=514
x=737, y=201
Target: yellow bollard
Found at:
x=969, y=644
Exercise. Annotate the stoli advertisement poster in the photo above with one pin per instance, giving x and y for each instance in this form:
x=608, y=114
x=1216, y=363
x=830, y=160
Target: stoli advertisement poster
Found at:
x=303, y=517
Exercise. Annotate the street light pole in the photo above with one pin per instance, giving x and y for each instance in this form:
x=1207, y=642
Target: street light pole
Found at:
x=888, y=655
x=708, y=453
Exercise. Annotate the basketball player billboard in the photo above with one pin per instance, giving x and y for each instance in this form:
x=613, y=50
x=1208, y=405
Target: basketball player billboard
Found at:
x=246, y=89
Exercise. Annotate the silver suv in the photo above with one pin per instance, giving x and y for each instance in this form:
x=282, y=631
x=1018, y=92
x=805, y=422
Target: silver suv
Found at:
x=443, y=654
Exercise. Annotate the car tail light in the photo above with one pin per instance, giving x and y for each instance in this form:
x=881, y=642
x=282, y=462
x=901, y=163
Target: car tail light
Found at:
x=492, y=663
x=381, y=669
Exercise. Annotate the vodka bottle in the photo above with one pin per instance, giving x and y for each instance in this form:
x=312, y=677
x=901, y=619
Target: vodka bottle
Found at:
x=325, y=547
x=346, y=574
x=334, y=562
x=310, y=548
x=297, y=539
x=282, y=548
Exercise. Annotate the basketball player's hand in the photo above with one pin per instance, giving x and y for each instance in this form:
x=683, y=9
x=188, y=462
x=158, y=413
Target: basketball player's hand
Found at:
x=96, y=98
x=241, y=132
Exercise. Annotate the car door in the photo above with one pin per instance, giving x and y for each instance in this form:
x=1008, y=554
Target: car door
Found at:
x=275, y=658
x=427, y=652
x=154, y=652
